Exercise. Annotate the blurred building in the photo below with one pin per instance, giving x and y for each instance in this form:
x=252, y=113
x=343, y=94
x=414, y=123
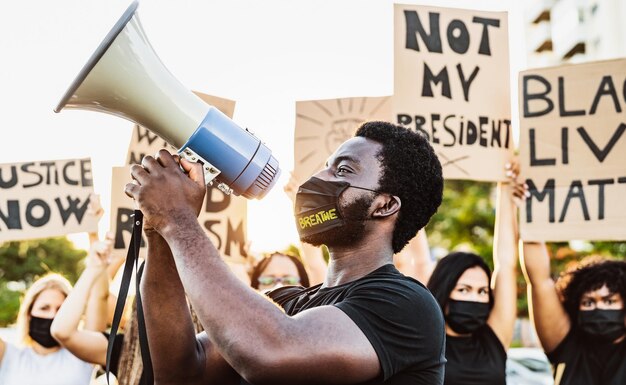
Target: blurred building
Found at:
x=574, y=31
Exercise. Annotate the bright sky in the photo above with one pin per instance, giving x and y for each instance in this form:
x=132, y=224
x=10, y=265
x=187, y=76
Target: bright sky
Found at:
x=265, y=54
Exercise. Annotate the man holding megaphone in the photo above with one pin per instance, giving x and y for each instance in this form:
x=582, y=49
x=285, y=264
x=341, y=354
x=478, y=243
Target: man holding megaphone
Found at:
x=366, y=324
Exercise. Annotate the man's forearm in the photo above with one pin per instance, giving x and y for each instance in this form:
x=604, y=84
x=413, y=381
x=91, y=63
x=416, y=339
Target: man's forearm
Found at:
x=170, y=330
x=235, y=317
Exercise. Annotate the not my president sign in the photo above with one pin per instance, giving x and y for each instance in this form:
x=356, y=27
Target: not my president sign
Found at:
x=45, y=199
x=451, y=82
x=573, y=151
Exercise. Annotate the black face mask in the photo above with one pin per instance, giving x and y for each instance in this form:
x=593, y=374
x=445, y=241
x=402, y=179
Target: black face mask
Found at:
x=317, y=207
x=467, y=316
x=605, y=325
x=39, y=331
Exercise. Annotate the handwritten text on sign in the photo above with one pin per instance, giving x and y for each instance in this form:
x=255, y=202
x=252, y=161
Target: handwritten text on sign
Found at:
x=45, y=199
x=451, y=82
x=572, y=148
x=223, y=217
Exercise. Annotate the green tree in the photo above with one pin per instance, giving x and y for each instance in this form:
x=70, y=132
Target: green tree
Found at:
x=22, y=262
x=465, y=218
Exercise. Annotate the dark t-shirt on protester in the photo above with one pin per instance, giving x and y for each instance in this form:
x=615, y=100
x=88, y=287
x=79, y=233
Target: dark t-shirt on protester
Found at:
x=580, y=360
x=479, y=359
x=397, y=314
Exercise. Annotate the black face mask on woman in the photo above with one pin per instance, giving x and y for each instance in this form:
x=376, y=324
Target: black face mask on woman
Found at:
x=605, y=325
x=39, y=331
x=467, y=316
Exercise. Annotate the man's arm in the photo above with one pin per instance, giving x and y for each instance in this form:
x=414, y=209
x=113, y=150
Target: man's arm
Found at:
x=504, y=285
x=550, y=318
x=254, y=336
x=175, y=352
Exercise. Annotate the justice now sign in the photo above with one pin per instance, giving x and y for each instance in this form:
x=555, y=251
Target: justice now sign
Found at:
x=45, y=199
x=451, y=83
x=573, y=151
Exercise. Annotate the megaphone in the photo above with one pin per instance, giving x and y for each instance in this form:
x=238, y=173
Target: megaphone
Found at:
x=125, y=77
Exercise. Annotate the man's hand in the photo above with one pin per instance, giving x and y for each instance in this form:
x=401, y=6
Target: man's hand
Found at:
x=164, y=192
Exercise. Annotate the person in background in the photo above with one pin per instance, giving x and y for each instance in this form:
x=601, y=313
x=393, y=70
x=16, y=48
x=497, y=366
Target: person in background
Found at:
x=276, y=270
x=41, y=360
x=480, y=308
x=580, y=319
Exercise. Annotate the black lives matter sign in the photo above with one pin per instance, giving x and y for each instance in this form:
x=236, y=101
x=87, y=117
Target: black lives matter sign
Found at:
x=451, y=83
x=573, y=151
x=45, y=199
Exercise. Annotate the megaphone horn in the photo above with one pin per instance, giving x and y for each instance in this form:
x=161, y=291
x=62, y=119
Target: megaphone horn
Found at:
x=125, y=77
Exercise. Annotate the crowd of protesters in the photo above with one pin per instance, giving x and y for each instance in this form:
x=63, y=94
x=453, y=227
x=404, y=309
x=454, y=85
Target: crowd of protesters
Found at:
x=580, y=318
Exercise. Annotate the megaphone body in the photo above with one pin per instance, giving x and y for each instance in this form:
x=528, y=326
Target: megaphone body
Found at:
x=125, y=77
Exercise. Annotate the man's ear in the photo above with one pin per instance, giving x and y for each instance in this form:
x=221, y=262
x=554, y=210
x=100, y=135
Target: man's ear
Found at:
x=389, y=205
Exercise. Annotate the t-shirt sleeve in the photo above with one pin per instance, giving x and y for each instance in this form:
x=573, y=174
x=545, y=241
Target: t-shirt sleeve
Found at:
x=556, y=355
x=401, y=320
x=116, y=353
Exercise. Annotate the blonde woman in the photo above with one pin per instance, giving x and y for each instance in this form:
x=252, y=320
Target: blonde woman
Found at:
x=41, y=360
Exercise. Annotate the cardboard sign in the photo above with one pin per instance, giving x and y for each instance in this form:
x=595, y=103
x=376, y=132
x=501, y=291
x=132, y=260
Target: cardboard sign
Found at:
x=323, y=125
x=451, y=82
x=223, y=217
x=572, y=151
x=45, y=199
x=144, y=142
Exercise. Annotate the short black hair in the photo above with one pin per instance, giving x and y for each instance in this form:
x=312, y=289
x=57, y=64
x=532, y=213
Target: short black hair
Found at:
x=260, y=267
x=585, y=277
x=411, y=171
x=448, y=271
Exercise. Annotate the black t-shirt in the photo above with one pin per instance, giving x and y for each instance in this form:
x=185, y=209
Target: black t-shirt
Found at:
x=397, y=314
x=479, y=359
x=580, y=360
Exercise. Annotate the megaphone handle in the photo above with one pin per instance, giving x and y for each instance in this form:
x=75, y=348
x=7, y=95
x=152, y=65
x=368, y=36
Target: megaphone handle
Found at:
x=210, y=171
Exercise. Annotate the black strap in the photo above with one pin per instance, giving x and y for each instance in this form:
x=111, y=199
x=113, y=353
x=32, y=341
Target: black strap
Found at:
x=132, y=258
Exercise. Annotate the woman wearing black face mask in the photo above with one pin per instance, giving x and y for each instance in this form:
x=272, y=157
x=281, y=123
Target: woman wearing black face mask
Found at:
x=41, y=361
x=580, y=319
x=479, y=317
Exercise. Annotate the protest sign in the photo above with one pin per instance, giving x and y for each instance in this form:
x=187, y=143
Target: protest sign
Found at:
x=323, y=125
x=572, y=151
x=451, y=82
x=223, y=218
x=45, y=199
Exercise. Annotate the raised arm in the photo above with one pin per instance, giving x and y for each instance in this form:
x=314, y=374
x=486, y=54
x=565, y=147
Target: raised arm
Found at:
x=503, y=283
x=415, y=260
x=252, y=334
x=176, y=354
x=546, y=310
x=87, y=345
